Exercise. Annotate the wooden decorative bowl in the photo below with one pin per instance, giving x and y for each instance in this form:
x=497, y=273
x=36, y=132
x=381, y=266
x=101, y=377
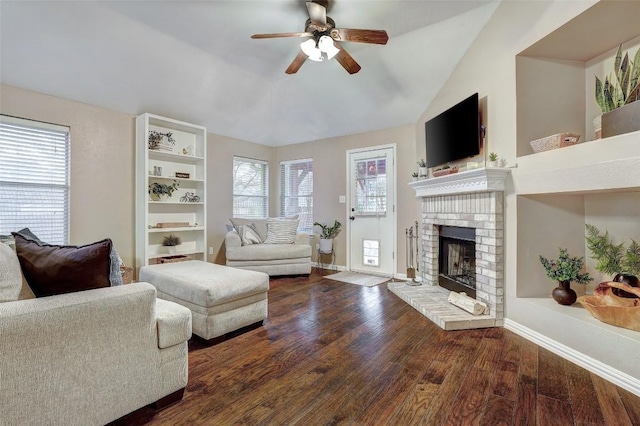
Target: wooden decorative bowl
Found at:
x=620, y=316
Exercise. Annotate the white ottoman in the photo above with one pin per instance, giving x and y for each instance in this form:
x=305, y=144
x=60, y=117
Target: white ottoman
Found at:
x=221, y=299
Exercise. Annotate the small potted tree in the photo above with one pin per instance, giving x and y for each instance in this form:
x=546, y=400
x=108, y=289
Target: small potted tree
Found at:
x=329, y=232
x=171, y=241
x=564, y=270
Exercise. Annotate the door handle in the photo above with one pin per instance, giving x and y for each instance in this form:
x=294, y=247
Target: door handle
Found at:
x=352, y=217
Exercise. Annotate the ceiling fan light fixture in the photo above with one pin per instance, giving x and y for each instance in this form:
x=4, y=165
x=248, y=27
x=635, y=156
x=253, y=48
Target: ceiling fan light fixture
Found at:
x=309, y=48
x=326, y=45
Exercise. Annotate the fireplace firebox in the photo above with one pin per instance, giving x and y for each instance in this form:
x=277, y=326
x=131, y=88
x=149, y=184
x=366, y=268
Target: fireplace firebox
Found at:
x=457, y=259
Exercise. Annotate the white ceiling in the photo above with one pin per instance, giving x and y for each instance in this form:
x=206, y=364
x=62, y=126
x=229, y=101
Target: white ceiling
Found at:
x=195, y=61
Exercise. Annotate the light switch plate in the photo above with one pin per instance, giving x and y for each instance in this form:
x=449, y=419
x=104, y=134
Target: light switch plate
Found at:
x=343, y=199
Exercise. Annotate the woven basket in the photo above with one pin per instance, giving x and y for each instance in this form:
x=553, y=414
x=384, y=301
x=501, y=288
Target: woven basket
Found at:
x=127, y=274
x=174, y=259
x=559, y=140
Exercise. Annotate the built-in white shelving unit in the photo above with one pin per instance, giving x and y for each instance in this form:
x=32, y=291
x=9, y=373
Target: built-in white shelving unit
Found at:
x=559, y=191
x=185, y=155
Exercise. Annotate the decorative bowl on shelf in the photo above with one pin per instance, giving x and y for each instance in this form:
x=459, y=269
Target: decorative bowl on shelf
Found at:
x=620, y=316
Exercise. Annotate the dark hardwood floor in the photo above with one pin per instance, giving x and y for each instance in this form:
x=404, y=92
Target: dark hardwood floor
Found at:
x=335, y=353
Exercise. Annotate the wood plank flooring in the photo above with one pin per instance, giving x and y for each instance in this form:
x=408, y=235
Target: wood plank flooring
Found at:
x=339, y=354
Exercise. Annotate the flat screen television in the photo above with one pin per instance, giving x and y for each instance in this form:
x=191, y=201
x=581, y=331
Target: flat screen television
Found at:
x=454, y=134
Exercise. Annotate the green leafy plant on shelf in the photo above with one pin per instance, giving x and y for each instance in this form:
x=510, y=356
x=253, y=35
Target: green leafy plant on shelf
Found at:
x=171, y=240
x=624, y=87
x=156, y=189
x=565, y=268
x=493, y=156
x=612, y=258
x=414, y=174
x=422, y=163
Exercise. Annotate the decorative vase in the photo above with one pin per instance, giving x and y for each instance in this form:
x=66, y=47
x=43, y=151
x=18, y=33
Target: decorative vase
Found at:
x=563, y=294
x=632, y=280
x=422, y=171
x=326, y=245
x=492, y=163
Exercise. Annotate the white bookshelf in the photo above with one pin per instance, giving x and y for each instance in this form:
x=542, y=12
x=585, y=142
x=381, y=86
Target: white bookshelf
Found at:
x=187, y=155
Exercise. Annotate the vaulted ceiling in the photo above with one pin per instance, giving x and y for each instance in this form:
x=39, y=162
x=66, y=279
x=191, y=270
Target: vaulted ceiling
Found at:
x=195, y=61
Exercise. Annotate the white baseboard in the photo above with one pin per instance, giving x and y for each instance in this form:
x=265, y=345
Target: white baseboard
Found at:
x=330, y=267
x=603, y=370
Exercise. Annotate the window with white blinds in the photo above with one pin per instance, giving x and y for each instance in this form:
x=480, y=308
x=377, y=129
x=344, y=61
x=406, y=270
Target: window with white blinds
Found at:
x=250, y=188
x=34, y=178
x=296, y=192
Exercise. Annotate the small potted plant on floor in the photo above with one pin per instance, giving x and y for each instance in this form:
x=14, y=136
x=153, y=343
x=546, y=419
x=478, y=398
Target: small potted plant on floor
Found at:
x=158, y=191
x=171, y=241
x=329, y=232
x=614, y=259
x=564, y=270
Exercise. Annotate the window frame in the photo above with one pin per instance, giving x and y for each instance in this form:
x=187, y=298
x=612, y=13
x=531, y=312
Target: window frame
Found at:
x=306, y=224
x=264, y=196
x=51, y=181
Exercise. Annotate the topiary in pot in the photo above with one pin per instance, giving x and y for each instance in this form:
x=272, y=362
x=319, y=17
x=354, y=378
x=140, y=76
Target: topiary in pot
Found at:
x=564, y=270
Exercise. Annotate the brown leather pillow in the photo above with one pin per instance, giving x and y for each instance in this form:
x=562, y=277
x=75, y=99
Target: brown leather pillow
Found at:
x=51, y=269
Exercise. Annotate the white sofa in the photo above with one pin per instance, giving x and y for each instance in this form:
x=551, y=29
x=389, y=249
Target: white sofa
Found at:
x=272, y=259
x=90, y=357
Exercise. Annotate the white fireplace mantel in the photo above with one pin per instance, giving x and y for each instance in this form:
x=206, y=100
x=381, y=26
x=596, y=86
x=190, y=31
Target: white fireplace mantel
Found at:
x=475, y=180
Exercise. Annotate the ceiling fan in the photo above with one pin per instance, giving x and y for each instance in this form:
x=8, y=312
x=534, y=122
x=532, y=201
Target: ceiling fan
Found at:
x=323, y=39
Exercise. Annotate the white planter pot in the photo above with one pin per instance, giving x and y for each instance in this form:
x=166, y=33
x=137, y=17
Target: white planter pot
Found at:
x=171, y=249
x=326, y=245
x=422, y=171
x=492, y=163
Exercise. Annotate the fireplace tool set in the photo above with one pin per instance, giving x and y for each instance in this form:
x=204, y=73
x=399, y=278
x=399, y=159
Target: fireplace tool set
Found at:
x=412, y=244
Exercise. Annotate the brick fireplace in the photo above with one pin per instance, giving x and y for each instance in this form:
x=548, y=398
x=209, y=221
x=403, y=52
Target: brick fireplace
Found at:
x=472, y=199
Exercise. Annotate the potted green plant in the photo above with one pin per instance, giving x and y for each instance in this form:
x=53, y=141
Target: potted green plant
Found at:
x=564, y=270
x=329, y=232
x=422, y=168
x=614, y=259
x=623, y=88
x=159, y=190
x=493, y=160
x=171, y=241
x=414, y=175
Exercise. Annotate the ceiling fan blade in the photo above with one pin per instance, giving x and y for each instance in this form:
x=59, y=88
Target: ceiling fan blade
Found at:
x=347, y=61
x=360, y=36
x=297, y=63
x=276, y=35
x=317, y=13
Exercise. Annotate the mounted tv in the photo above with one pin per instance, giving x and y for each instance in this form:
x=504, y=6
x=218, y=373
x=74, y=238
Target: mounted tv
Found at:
x=454, y=134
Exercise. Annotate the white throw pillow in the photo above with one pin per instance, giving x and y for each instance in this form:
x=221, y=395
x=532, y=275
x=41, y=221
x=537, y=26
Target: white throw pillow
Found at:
x=249, y=234
x=10, y=274
x=281, y=231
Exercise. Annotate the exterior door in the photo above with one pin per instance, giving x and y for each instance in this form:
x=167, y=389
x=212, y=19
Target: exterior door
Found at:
x=371, y=211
